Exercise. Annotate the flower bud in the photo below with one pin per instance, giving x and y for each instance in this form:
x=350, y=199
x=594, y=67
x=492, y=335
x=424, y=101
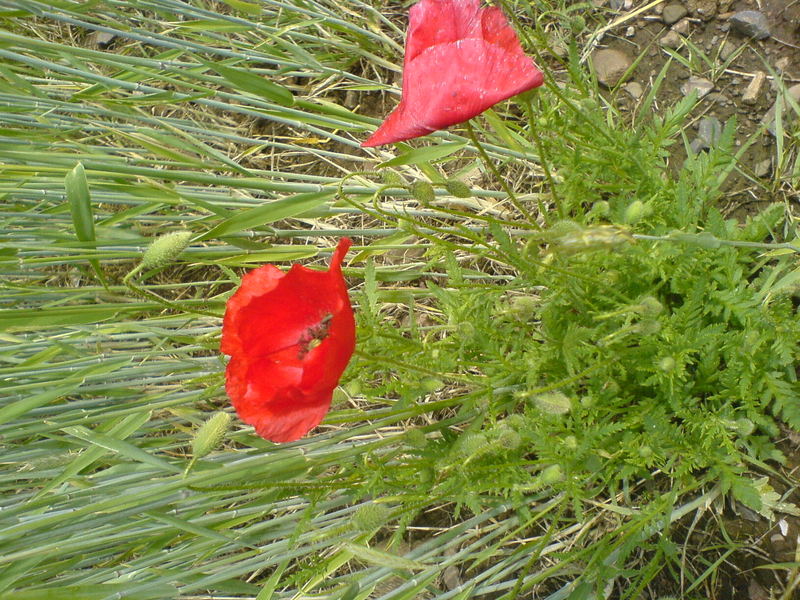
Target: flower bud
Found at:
x=516, y=422
x=392, y=178
x=210, y=434
x=667, y=364
x=577, y=24
x=635, y=212
x=471, y=444
x=423, y=191
x=571, y=238
x=370, y=516
x=509, y=439
x=745, y=427
x=554, y=403
x=648, y=327
x=551, y=474
x=431, y=384
x=523, y=307
x=457, y=188
x=165, y=249
x=649, y=307
x=416, y=438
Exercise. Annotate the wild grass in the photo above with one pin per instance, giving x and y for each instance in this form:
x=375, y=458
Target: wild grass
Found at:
x=558, y=378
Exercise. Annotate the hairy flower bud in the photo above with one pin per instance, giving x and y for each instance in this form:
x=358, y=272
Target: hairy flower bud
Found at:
x=554, y=403
x=666, y=364
x=649, y=307
x=423, y=191
x=457, y=188
x=551, y=474
x=165, y=249
x=370, y=515
x=210, y=434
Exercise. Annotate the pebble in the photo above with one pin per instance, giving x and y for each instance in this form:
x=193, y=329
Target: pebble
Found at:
x=704, y=9
x=782, y=64
x=787, y=114
x=719, y=98
x=698, y=84
x=101, y=39
x=726, y=50
x=635, y=89
x=708, y=134
x=671, y=39
x=753, y=89
x=762, y=168
x=673, y=13
x=750, y=23
x=682, y=26
x=610, y=65
x=630, y=32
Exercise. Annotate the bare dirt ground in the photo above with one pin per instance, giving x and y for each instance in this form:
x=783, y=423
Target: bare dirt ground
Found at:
x=735, y=74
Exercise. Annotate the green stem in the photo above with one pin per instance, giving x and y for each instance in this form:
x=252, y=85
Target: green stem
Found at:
x=543, y=161
x=493, y=168
x=156, y=298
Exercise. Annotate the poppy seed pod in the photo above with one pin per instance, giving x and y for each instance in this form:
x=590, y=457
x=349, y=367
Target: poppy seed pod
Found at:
x=290, y=337
x=461, y=59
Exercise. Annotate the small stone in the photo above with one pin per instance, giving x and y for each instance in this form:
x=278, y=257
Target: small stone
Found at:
x=697, y=84
x=635, y=89
x=787, y=112
x=750, y=23
x=762, y=168
x=100, y=39
x=708, y=134
x=671, y=39
x=718, y=98
x=682, y=26
x=753, y=89
x=610, y=66
x=726, y=50
x=630, y=32
x=673, y=13
x=704, y=9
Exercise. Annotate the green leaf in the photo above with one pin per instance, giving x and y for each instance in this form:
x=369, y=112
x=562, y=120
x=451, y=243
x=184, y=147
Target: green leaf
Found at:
x=119, y=429
x=20, y=407
x=269, y=213
x=91, y=592
x=244, y=81
x=382, y=559
x=244, y=7
x=424, y=155
x=123, y=448
x=745, y=491
x=80, y=203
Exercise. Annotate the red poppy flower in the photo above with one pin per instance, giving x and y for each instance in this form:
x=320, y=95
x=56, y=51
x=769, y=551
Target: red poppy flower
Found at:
x=460, y=60
x=290, y=336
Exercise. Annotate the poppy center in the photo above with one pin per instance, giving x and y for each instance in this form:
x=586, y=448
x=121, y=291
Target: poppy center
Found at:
x=313, y=336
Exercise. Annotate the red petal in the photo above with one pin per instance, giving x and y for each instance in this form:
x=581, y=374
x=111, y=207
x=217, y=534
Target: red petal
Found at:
x=460, y=60
x=255, y=283
x=433, y=22
x=451, y=83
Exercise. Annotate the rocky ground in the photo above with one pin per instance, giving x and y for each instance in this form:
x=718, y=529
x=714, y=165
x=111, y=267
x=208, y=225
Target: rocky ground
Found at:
x=736, y=54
